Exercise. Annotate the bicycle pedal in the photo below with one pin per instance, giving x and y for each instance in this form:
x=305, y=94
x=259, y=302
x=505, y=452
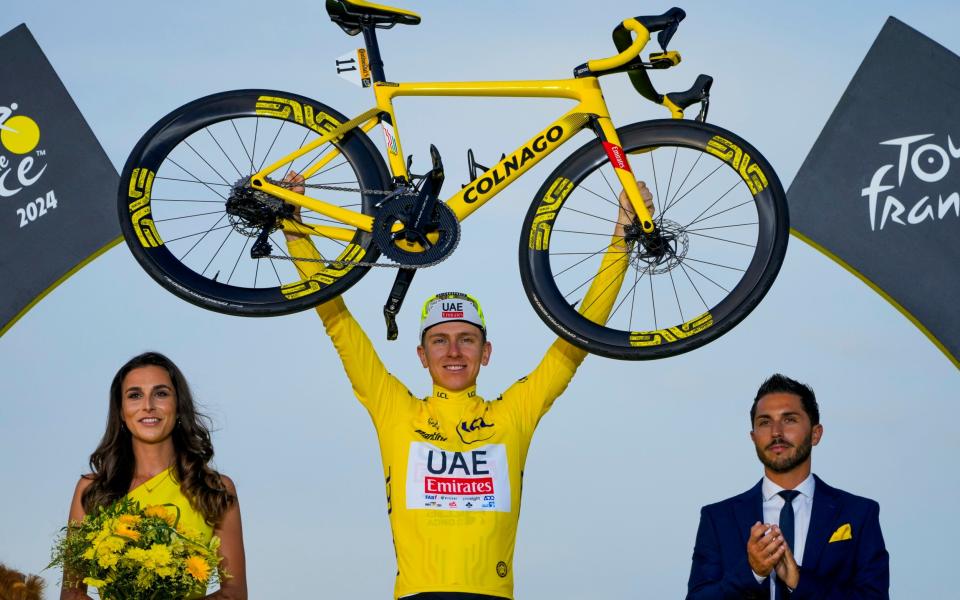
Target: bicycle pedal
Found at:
x=392, y=331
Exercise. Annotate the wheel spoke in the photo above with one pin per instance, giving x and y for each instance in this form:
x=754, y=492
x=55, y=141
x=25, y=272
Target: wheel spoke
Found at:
x=243, y=145
x=686, y=177
x=212, y=258
x=213, y=212
x=225, y=155
x=205, y=234
x=589, y=279
x=673, y=167
x=253, y=152
x=239, y=256
x=190, y=235
x=677, y=296
x=707, y=262
x=196, y=179
x=676, y=201
x=270, y=149
x=656, y=185
x=579, y=262
x=206, y=162
x=721, y=239
x=699, y=219
x=604, y=198
x=695, y=288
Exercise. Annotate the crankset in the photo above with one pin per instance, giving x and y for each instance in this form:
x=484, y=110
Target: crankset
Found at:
x=417, y=230
x=419, y=247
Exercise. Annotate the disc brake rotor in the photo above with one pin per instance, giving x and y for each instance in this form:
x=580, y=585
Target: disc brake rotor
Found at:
x=668, y=252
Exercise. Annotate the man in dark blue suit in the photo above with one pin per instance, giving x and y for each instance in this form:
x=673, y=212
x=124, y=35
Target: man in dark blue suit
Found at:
x=791, y=535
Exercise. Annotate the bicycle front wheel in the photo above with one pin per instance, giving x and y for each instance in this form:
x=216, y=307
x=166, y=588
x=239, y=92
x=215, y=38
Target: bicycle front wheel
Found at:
x=723, y=216
x=191, y=218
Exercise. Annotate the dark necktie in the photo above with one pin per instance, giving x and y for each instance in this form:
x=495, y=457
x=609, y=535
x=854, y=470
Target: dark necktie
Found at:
x=787, y=528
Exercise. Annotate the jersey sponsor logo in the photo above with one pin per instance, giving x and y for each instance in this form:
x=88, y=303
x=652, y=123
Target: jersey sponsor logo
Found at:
x=458, y=462
x=476, y=430
x=451, y=309
x=436, y=436
x=474, y=480
x=457, y=486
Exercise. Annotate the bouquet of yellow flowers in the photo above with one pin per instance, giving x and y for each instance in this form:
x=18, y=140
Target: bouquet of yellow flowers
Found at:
x=131, y=553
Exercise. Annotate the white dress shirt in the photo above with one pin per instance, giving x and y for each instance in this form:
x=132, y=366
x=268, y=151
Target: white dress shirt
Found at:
x=802, y=507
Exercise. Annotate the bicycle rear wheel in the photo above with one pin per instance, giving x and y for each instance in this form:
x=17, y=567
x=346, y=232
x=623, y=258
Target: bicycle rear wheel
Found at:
x=178, y=181
x=720, y=206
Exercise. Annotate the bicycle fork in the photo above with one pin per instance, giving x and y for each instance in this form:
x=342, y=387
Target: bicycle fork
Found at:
x=607, y=134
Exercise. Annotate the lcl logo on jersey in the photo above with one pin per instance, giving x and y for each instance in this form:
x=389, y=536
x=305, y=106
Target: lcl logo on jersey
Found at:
x=475, y=430
x=19, y=135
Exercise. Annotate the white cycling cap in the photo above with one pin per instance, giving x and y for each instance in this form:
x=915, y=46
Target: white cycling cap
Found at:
x=451, y=306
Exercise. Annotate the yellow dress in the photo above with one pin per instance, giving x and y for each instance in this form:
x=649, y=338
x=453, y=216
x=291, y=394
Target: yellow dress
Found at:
x=163, y=488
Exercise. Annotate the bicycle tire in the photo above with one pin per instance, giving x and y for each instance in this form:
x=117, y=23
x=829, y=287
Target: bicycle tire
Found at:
x=196, y=156
x=722, y=178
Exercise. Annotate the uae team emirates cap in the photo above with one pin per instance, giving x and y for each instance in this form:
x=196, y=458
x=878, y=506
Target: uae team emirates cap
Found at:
x=451, y=306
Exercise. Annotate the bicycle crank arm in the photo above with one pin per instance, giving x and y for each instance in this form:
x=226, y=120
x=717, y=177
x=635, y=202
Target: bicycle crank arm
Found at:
x=395, y=300
x=430, y=191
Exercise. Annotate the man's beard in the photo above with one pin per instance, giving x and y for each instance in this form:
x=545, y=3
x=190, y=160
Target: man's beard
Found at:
x=785, y=463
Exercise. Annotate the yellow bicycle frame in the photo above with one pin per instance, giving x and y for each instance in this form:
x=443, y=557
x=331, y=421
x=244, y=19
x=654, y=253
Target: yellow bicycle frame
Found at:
x=591, y=110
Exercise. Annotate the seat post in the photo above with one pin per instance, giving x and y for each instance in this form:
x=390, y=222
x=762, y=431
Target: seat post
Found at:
x=373, y=52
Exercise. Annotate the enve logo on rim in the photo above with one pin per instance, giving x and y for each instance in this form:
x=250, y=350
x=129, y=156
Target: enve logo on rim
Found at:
x=19, y=134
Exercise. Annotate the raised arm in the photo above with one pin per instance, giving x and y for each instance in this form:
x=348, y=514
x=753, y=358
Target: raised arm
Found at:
x=555, y=371
x=372, y=383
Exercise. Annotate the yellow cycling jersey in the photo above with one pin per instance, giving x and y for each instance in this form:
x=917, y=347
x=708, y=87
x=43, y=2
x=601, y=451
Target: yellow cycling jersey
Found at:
x=452, y=461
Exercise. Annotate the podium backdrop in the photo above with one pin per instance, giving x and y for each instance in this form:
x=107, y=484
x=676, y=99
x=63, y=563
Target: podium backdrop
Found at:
x=880, y=190
x=57, y=187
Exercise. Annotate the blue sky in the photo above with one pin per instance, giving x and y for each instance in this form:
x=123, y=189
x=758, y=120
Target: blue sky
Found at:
x=620, y=466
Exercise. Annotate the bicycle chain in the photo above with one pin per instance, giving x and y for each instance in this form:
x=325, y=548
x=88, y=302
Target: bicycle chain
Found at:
x=358, y=263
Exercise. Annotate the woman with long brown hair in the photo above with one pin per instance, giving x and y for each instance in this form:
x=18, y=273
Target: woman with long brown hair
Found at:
x=156, y=449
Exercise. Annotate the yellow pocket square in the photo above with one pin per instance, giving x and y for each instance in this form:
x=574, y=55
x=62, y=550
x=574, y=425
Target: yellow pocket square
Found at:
x=842, y=533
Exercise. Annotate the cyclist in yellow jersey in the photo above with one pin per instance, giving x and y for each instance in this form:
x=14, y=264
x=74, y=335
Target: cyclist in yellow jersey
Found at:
x=452, y=461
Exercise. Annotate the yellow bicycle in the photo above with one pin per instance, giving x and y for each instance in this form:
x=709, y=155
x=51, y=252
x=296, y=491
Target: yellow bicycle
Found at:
x=202, y=200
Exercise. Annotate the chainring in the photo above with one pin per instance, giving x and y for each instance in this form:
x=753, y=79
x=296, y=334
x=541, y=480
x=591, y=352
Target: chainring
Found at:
x=443, y=233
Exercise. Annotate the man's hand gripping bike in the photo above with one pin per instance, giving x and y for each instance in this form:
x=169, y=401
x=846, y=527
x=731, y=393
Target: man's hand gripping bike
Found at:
x=203, y=201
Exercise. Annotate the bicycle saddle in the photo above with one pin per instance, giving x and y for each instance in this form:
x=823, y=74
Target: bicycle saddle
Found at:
x=351, y=15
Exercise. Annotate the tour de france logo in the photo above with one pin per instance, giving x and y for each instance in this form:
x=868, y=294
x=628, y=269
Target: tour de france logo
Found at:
x=22, y=165
x=19, y=134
